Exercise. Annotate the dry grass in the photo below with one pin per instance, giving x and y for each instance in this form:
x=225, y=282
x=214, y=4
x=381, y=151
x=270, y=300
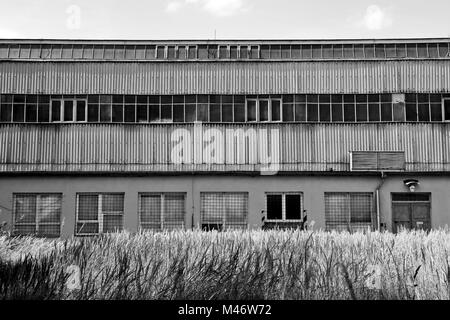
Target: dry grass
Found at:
x=229, y=265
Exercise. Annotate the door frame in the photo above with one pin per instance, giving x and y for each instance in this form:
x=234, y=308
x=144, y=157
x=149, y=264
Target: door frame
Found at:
x=393, y=228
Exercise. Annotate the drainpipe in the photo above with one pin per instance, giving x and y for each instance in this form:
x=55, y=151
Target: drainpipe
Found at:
x=377, y=193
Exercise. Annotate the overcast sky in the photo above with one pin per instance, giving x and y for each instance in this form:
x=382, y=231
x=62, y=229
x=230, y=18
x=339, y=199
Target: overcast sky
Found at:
x=228, y=19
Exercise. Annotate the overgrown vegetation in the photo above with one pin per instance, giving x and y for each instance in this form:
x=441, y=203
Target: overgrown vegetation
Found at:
x=229, y=265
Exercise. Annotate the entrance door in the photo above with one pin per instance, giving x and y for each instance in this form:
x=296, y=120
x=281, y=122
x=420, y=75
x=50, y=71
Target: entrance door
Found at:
x=411, y=211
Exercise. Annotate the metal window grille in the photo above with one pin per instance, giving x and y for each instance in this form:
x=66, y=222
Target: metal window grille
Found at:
x=37, y=214
x=99, y=213
x=284, y=206
x=224, y=210
x=158, y=211
x=349, y=211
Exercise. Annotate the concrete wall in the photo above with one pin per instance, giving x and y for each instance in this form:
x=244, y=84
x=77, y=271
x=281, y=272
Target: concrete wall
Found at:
x=313, y=188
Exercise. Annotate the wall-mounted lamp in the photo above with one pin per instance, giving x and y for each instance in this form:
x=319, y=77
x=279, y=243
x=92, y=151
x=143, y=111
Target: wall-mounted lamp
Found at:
x=411, y=184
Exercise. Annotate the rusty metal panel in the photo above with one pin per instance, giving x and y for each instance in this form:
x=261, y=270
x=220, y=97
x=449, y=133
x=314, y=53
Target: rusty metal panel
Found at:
x=225, y=77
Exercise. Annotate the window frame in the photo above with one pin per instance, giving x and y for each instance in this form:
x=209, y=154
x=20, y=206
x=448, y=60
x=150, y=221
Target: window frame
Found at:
x=283, y=206
x=100, y=212
x=162, y=197
x=74, y=110
x=37, y=223
x=443, y=110
x=225, y=224
x=331, y=226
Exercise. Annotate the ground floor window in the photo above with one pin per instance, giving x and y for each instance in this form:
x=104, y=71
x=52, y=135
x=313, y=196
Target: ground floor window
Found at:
x=38, y=214
x=160, y=211
x=284, y=206
x=99, y=213
x=223, y=210
x=351, y=211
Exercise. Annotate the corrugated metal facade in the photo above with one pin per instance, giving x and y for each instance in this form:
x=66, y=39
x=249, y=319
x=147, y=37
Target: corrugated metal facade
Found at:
x=225, y=77
x=186, y=148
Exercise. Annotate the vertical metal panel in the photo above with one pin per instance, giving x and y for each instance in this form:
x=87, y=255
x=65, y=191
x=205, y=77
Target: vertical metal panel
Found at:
x=309, y=147
x=225, y=78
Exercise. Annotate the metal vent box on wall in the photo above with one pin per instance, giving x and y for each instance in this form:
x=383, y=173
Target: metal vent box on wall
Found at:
x=377, y=160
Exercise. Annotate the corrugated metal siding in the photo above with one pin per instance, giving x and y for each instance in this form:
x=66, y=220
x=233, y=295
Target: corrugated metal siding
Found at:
x=154, y=148
x=225, y=77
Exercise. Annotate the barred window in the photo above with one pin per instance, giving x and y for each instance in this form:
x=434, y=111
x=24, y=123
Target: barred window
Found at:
x=37, y=214
x=158, y=211
x=284, y=206
x=223, y=210
x=99, y=213
x=348, y=211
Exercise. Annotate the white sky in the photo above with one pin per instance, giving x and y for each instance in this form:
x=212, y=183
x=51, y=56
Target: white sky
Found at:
x=229, y=19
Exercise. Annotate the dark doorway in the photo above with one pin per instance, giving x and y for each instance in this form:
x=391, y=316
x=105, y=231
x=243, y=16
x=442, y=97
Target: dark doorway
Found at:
x=411, y=211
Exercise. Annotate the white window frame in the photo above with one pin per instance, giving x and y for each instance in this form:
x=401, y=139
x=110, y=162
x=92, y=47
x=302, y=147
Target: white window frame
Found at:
x=37, y=223
x=74, y=110
x=443, y=110
x=283, y=206
x=100, y=212
x=162, y=196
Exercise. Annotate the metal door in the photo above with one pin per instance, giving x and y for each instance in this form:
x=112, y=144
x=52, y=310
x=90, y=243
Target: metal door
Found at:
x=410, y=212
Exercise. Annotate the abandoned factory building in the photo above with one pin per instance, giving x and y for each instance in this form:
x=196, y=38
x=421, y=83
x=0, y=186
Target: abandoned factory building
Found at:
x=99, y=136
